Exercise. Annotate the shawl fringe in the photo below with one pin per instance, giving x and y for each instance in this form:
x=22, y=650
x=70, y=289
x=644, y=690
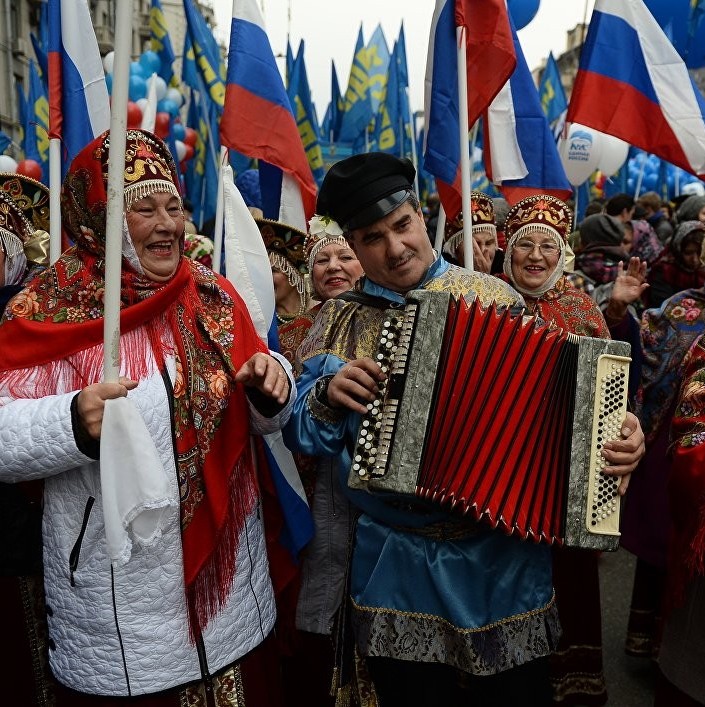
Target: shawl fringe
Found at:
x=207, y=595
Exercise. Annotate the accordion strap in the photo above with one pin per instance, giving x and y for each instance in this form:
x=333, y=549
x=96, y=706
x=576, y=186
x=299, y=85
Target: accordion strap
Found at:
x=370, y=300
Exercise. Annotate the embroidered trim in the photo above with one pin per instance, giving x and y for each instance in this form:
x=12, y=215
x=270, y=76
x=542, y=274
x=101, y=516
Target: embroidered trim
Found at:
x=321, y=412
x=141, y=190
x=487, y=650
x=228, y=690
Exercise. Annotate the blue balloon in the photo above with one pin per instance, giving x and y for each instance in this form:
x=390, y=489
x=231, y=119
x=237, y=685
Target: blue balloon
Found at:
x=178, y=131
x=167, y=106
x=137, y=89
x=109, y=83
x=649, y=182
x=523, y=11
x=631, y=185
x=136, y=69
x=670, y=182
x=150, y=62
x=639, y=158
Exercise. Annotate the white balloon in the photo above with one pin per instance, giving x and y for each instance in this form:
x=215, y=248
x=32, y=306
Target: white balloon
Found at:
x=180, y=149
x=142, y=103
x=173, y=94
x=613, y=154
x=7, y=164
x=580, y=153
x=160, y=85
x=108, y=60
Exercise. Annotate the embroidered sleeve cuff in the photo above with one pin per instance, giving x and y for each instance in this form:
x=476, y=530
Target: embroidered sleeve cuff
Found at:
x=317, y=403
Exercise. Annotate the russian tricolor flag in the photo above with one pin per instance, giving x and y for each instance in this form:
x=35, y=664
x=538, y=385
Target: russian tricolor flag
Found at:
x=520, y=151
x=490, y=61
x=79, y=107
x=633, y=84
x=258, y=120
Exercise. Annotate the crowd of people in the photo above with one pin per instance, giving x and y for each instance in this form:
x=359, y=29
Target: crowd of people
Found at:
x=140, y=553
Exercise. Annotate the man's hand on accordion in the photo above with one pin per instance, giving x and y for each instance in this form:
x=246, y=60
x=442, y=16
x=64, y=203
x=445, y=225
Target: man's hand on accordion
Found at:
x=355, y=385
x=624, y=455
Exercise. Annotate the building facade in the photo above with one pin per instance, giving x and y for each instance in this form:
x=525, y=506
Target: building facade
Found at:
x=20, y=18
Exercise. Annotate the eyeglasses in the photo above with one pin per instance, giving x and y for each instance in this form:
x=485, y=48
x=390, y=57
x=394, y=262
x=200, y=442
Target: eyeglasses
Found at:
x=547, y=249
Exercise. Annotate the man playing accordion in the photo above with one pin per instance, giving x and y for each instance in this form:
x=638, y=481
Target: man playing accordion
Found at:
x=445, y=610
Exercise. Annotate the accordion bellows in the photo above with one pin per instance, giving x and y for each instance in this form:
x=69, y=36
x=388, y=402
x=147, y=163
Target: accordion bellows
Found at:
x=499, y=416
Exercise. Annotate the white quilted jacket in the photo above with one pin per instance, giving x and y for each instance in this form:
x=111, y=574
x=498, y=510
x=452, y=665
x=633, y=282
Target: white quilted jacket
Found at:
x=126, y=633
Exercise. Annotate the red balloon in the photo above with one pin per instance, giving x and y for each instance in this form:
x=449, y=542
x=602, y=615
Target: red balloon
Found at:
x=30, y=168
x=189, y=152
x=191, y=137
x=183, y=166
x=161, y=125
x=134, y=115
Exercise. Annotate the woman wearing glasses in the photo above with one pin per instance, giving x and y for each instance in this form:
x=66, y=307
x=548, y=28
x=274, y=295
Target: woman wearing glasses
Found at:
x=537, y=229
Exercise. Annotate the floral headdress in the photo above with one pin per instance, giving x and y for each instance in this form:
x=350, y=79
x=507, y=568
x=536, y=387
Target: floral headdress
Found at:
x=482, y=209
x=544, y=214
x=322, y=231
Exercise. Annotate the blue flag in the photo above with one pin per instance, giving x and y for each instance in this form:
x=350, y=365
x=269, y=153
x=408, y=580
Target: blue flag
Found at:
x=201, y=178
x=21, y=112
x=36, y=127
x=389, y=129
x=289, y=62
x=5, y=142
x=426, y=181
x=202, y=57
x=40, y=42
x=695, y=14
x=393, y=130
x=377, y=66
x=358, y=103
x=161, y=43
x=331, y=120
x=189, y=71
x=302, y=106
x=551, y=93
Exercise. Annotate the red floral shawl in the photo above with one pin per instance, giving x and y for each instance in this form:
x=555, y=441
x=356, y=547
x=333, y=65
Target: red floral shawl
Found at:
x=686, y=480
x=569, y=309
x=51, y=340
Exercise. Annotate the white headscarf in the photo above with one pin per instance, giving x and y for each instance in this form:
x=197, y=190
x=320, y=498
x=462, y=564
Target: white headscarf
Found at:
x=15, y=258
x=557, y=273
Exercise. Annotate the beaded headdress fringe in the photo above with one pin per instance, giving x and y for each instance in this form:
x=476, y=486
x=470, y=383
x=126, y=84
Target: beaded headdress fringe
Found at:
x=141, y=190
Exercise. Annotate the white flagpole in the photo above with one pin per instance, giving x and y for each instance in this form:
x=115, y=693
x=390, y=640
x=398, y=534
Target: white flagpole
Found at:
x=218, y=227
x=54, y=199
x=116, y=191
x=637, y=189
x=464, y=153
x=440, y=230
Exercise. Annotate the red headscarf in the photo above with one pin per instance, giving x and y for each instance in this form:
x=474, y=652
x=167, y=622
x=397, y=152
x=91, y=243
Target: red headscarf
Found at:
x=52, y=342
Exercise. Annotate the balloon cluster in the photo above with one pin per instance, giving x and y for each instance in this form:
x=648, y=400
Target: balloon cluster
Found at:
x=586, y=152
x=650, y=173
x=28, y=168
x=167, y=122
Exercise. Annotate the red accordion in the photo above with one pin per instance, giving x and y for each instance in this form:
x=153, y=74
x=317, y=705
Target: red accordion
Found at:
x=499, y=416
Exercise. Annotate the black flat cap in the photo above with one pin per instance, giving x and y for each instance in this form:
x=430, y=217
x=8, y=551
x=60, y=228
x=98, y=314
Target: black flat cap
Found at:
x=364, y=188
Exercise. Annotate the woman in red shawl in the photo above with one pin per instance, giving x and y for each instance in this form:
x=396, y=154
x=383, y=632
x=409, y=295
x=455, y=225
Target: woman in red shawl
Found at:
x=185, y=611
x=537, y=229
x=682, y=650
